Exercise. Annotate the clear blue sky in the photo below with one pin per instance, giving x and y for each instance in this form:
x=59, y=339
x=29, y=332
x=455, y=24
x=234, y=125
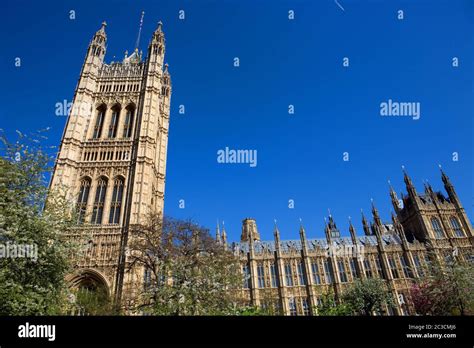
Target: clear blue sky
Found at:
x=282, y=62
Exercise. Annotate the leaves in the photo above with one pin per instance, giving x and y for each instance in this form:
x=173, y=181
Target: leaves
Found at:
x=31, y=286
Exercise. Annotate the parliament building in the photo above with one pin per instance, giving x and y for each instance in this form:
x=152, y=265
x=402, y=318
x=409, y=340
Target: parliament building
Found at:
x=292, y=276
x=112, y=162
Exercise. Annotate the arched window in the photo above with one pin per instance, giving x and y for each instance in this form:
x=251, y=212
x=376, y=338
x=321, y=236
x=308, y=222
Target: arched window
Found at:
x=114, y=122
x=99, y=122
x=116, y=204
x=82, y=199
x=128, y=124
x=437, y=228
x=456, y=227
x=98, y=209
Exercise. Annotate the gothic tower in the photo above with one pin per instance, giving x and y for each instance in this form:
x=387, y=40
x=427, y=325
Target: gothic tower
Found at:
x=112, y=159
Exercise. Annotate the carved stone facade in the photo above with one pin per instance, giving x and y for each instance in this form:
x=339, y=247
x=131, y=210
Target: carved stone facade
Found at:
x=112, y=160
x=291, y=276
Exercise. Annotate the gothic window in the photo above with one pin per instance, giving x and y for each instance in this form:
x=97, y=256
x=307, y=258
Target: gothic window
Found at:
x=316, y=274
x=99, y=123
x=301, y=274
x=393, y=267
x=353, y=268
x=246, y=272
x=98, y=209
x=128, y=125
x=273, y=276
x=288, y=274
x=82, y=199
x=418, y=265
x=305, y=305
x=456, y=227
x=378, y=264
x=260, y=276
x=328, y=271
x=368, y=268
x=342, y=271
x=437, y=228
x=114, y=122
x=116, y=204
x=292, y=305
x=406, y=270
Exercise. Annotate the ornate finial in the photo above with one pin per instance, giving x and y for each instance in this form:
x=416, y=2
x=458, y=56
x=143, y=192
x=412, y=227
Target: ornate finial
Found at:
x=439, y=165
x=329, y=212
x=104, y=24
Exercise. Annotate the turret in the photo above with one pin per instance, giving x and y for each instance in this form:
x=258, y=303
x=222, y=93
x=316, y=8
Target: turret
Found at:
x=156, y=48
x=97, y=47
x=249, y=230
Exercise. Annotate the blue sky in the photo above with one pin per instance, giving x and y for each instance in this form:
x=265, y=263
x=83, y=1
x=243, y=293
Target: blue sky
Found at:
x=282, y=62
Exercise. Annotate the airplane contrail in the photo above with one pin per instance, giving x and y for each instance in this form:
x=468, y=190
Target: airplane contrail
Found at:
x=338, y=4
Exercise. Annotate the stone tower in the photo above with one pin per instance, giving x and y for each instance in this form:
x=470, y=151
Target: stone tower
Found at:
x=112, y=159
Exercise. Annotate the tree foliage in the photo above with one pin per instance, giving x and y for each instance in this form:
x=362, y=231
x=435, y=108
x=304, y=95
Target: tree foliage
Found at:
x=30, y=285
x=188, y=272
x=445, y=290
x=366, y=296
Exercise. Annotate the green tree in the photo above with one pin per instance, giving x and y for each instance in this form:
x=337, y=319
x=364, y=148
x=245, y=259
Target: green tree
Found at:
x=366, y=296
x=188, y=272
x=32, y=284
x=328, y=306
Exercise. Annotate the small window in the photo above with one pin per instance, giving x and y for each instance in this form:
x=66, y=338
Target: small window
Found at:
x=292, y=305
x=288, y=274
x=316, y=273
x=393, y=267
x=273, y=276
x=456, y=227
x=301, y=274
x=437, y=228
x=342, y=271
x=328, y=271
x=261, y=276
x=368, y=268
x=246, y=273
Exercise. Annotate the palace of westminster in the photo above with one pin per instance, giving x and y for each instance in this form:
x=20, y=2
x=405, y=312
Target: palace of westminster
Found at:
x=112, y=160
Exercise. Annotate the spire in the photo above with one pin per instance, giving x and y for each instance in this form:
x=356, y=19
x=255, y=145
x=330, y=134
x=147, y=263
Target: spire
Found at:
x=444, y=177
x=409, y=184
x=398, y=227
x=218, y=233
x=448, y=186
x=302, y=231
x=394, y=197
x=375, y=214
x=276, y=231
x=365, y=224
x=352, y=231
x=224, y=234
